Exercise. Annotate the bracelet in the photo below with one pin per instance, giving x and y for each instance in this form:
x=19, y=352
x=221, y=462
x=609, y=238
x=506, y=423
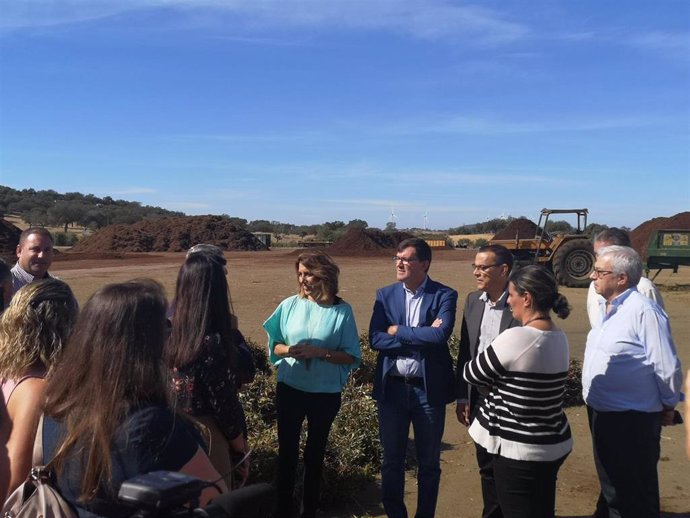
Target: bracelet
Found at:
x=328, y=355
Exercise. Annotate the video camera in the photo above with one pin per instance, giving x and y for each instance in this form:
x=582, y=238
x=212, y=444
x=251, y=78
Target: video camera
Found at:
x=167, y=494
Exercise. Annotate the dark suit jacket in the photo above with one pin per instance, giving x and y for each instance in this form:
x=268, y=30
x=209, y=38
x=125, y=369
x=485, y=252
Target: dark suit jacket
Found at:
x=469, y=339
x=438, y=301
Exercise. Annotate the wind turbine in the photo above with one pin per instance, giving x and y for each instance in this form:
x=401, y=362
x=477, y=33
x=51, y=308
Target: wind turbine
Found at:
x=393, y=216
x=426, y=219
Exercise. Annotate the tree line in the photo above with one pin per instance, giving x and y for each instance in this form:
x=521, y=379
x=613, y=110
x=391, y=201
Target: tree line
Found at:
x=48, y=207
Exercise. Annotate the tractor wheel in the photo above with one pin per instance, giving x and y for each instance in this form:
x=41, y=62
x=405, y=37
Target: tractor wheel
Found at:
x=573, y=262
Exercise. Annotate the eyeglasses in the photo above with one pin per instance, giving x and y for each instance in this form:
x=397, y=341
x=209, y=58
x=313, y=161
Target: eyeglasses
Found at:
x=404, y=260
x=600, y=273
x=484, y=267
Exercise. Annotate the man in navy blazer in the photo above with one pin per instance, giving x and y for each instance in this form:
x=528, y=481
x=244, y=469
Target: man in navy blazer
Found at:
x=414, y=381
x=485, y=316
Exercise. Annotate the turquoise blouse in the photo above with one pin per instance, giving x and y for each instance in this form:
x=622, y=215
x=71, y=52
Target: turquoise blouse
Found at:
x=299, y=320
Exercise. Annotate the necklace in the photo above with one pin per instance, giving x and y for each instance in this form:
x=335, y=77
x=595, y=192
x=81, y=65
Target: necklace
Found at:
x=536, y=318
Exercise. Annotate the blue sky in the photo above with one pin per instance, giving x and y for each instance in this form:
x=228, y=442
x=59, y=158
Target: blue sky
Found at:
x=307, y=111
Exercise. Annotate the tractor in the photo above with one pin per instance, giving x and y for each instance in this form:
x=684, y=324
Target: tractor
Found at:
x=569, y=256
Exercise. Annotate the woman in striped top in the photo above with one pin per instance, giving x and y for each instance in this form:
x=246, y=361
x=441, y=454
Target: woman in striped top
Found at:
x=521, y=421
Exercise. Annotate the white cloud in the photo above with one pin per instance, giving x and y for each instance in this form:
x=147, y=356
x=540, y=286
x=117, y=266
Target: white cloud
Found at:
x=249, y=138
x=674, y=43
x=426, y=19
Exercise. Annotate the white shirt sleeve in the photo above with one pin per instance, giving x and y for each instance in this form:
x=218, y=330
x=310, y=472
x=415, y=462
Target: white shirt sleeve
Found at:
x=649, y=290
x=593, y=307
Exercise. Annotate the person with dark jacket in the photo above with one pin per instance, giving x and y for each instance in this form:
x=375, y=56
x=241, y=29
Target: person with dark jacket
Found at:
x=485, y=316
x=410, y=327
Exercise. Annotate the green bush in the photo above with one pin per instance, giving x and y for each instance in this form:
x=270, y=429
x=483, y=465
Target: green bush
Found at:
x=260, y=355
x=258, y=401
x=353, y=455
x=65, y=238
x=573, y=385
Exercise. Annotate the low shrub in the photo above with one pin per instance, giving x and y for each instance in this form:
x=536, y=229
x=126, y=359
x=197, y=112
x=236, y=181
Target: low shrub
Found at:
x=478, y=243
x=260, y=356
x=573, y=385
x=353, y=452
x=65, y=238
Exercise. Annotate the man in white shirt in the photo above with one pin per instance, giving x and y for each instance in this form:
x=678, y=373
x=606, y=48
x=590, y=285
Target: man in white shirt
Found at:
x=631, y=382
x=608, y=237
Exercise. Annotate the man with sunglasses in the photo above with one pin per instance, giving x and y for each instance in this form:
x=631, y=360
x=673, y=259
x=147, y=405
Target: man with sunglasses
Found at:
x=410, y=327
x=485, y=316
x=631, y=381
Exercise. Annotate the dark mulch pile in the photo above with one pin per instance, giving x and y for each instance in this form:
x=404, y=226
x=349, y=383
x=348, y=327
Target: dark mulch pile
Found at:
x=358, y=242
x=9, y=238
x=641, y=234
x=521, y=228
x=175, y=234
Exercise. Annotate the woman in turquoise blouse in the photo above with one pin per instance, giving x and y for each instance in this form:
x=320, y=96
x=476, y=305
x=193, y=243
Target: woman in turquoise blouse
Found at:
x=314, y=344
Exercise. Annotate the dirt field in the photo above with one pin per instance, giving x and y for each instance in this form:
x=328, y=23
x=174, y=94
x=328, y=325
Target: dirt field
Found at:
x=259, y=280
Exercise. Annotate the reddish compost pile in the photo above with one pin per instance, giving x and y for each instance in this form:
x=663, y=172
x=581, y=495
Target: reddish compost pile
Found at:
x=523, y=228
x=175, y=234
x=641, y=234
x=359, y=242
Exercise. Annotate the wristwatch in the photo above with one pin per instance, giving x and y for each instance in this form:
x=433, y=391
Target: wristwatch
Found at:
x=328, y=355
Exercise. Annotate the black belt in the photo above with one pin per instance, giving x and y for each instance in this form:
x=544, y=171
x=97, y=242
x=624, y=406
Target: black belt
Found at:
x=415, y=381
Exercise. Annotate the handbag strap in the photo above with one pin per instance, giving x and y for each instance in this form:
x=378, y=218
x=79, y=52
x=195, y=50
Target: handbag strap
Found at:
x=38, y=444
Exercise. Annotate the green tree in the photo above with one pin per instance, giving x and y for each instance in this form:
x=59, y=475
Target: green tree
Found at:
x=36, y=217
x=66, y=212
x=357, y=223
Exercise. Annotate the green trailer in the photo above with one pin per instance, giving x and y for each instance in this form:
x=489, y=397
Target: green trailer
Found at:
x=668, y=249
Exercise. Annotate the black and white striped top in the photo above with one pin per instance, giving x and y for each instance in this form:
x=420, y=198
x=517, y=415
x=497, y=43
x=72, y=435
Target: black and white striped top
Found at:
x=522, y=417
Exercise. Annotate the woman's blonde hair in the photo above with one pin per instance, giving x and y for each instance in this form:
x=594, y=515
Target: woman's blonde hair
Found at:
x=35, y=326
x=322, y=266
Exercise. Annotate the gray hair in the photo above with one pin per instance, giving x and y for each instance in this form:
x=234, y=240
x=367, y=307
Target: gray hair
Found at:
x=613, y=236
x=623, y=260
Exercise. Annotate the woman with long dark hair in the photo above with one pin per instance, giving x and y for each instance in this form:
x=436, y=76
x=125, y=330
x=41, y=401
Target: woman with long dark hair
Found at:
x=107, y=411
x=314, y=344
x=202, y=353
x=33, y=332
x=521, y=421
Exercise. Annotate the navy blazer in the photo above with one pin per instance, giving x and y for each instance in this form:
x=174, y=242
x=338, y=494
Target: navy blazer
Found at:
x=438, y=301
x=469, y=339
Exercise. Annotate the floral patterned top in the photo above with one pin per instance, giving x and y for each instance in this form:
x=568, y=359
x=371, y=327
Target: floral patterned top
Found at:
x=208, y=387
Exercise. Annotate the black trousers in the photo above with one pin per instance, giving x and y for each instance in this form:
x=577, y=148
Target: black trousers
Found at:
x=526, y=489
x=293, y=407
x=485, y=461
x=626, y=453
